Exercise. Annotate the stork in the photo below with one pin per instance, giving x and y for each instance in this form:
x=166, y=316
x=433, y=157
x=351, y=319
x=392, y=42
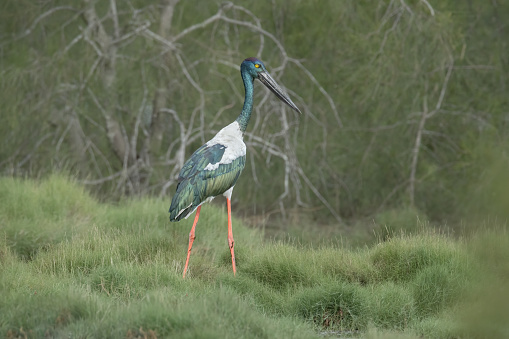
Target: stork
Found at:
x=214, y=168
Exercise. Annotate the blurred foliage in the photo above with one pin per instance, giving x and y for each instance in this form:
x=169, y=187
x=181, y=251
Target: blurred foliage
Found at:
x=383, y=63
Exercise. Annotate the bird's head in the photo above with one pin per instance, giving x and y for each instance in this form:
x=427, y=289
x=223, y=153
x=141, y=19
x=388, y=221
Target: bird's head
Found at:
x=257, y=70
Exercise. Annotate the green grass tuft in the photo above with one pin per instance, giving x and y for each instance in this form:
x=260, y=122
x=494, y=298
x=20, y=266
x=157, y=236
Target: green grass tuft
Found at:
x=395, y=222
x=401, y=258
x=390, y=306
x=435, y=288
x=38, y=214
x=280, y=267
x=335, y=305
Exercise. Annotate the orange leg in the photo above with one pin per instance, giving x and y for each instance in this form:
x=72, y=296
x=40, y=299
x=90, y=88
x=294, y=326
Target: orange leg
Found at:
x=230, y=234
x=191, y=239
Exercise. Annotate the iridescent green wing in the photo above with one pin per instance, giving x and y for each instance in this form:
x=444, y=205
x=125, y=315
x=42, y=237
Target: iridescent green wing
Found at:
x=196, y=183
x=202, y=157
x=219, y=180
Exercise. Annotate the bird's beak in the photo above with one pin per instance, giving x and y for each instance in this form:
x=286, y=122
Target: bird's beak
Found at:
x=271, y=84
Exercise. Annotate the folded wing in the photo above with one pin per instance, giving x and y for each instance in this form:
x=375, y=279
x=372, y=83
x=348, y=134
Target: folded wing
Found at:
x=204, y=176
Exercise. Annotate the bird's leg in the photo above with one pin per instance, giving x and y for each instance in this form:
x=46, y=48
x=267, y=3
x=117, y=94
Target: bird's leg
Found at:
x=191, y=239
x=230, y=234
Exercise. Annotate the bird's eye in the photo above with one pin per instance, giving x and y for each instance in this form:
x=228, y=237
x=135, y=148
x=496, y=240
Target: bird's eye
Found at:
x=257, y=65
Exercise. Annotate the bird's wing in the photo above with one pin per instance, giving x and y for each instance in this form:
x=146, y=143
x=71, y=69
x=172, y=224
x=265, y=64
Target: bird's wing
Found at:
x=204, y=176
x=201, y=158
x=219, y=180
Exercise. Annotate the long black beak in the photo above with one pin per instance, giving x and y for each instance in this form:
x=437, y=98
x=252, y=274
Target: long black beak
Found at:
x=271, y=84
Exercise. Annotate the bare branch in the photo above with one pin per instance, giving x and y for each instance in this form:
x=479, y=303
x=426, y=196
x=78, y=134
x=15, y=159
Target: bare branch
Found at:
x=34, y=149
x=415, y=151
x=202, y=24
x=322, y=90
x=318, y=195
x=444, y=89
x=259, y=30
x=30, y=29
x=258, y=23
x=431, y=10
x=149, y=34
x=114, y=17
x=102, y=180
x=134, y=137
x=421, y=129
x=141, y=29
x=72, y=43
x=201, y=106
x=184, y=136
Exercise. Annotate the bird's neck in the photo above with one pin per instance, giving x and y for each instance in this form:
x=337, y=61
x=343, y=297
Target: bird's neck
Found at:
x=244, y=116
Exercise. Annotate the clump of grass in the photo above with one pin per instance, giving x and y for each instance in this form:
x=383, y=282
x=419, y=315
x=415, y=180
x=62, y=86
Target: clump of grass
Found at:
x=400, y=258
x=389, y=306
x=335, y=305
x=47, y=314
x=36, y=214
x=399, y=221
x=281, y=266
x=442, y=326
x=267, y=299
x=53, y=198
x=7, y=257
x=435, y=288
x=352, y=266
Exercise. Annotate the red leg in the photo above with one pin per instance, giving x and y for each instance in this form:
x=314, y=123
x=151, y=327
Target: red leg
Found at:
x=191, y=239
x=230, y=234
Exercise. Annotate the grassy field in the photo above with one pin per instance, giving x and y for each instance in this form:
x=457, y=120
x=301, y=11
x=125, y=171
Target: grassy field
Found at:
x=73, y=267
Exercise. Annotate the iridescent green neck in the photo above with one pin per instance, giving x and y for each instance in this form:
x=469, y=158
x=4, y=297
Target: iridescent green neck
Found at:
x=243, y=118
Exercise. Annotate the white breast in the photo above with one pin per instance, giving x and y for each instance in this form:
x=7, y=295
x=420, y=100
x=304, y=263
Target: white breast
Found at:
x=231, y=137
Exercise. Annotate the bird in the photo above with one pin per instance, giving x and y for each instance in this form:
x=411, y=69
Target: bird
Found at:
x=214, y=168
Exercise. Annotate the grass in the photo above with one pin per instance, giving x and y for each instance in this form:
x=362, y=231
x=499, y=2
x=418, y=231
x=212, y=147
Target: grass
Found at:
x=71, y=266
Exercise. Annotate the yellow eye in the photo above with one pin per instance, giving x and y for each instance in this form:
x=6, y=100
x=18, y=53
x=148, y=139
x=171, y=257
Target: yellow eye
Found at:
x=257, y=65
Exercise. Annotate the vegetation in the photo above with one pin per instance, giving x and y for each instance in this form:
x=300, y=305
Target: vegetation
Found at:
x=73, y=266
x=380, y=212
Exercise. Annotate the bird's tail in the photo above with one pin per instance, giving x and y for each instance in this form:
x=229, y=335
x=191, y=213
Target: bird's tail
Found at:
x=182, y=202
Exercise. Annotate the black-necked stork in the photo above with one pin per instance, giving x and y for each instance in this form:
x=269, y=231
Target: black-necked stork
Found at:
x=214, y=168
